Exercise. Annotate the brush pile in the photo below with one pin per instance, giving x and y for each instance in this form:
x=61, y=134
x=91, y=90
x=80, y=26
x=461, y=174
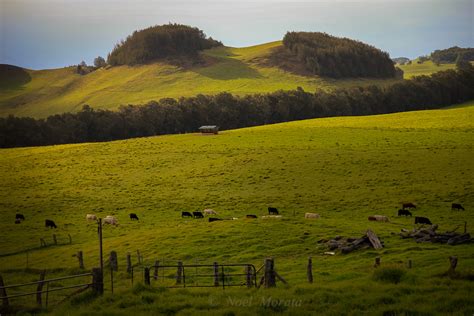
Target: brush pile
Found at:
x=347, y=245
x=430, y=235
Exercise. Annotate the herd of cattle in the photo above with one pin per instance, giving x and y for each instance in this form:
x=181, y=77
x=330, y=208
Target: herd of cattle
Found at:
x=272, y=213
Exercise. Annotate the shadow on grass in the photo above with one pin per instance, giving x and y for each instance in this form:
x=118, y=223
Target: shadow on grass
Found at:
x=13, y=77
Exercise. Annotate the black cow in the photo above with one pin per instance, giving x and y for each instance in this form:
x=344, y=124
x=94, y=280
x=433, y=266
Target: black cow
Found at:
x=198, y=215
x=133, y=216
x=49, y=223
x=404, y=212
x=272, y=211
x=408, y=205
x=251, y=216
x=214, y=219
x=457, y=206
x=19, y=216
x=17, y=221
x=422, y=220
x=186, y=214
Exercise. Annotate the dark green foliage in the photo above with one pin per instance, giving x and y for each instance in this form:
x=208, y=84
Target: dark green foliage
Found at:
x=99, y=62
x=335, y=57
x=161, y=41
x=389, y=274
x=170, y=116
x=451, y=55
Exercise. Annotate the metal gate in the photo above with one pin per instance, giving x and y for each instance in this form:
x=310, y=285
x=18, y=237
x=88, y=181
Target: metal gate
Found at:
x=201, y=275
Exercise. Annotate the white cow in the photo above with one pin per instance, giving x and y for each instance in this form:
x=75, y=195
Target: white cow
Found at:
x=311, y=215
x=91, y=217
x=271, y=216
x=110, y=220
x=209, y=212
x=379, y=218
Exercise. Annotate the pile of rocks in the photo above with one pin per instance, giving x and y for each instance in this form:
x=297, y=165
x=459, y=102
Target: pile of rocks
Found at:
x=347, y=245
x=430, y=235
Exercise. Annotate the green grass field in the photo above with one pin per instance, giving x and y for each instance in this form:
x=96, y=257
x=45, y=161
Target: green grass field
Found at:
x=344, y=168
x=234, y=70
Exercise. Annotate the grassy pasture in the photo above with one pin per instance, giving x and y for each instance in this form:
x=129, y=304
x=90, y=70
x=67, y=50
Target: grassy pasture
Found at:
x=235, y=70
x=344, y=168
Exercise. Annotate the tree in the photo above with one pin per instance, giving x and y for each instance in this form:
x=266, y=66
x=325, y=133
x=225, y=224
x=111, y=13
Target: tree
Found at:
x=83, y=64
x=99, y=62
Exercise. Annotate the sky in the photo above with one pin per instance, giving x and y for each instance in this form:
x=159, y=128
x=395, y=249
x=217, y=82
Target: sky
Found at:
x=40, y=34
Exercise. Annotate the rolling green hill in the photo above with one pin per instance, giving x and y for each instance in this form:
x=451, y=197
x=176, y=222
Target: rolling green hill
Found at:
x=239, y=71
x=344, y=168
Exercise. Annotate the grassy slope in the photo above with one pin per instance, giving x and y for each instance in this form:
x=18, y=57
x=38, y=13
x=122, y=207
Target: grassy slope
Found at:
x=234, y=70
x=343, y=168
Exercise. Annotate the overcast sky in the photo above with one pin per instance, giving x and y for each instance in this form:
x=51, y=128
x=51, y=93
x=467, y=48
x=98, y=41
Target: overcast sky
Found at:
x=41, y=34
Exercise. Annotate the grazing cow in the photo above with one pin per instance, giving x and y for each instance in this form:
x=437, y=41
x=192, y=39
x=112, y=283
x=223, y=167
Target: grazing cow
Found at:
x=198, y=215
x=214, y=219
x=457, y=206
x=250, y=216
x=272, y=211
x=404, y=212
x=133, y=216
x=422, y=220
x=49, y=223
x=19, y=216
x=186, y=214
x=209, y=212
x=408, y=205
x=17, y=221
x=110, y=220
x=311, y=215
x=91, y=217
x=379, y=218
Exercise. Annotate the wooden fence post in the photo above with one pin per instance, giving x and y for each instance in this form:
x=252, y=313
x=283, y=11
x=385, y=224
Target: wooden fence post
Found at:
x=269, y=273
x=113, y=261
x=155, y=273
x=97, y=281
x=248, y=272
x=310, y=270
x=147, y=276
x=453, y=262
x=409, y=263
x=216, y=274
x=80, y=258
x=179, y=273
x=377, y=262
x=39, y=289
x=3, y=293
x=465, y=227
x=54, y=239
x=129, y=263
x=139, y=258
x=70, y=239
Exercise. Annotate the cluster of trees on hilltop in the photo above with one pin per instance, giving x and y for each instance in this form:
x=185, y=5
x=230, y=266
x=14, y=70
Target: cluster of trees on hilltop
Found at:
x=452, y=55
x=335, y=57
x=169, y=116
x=159, y=42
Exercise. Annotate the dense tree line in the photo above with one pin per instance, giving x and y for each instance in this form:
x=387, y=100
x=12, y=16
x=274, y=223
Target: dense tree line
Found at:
x=169, y=40
x=170, y=116
x=335, y=57
x=452, y=55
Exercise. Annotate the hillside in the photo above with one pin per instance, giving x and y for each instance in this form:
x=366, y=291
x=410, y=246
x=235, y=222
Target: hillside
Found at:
x=344, y=168
x=239, y=71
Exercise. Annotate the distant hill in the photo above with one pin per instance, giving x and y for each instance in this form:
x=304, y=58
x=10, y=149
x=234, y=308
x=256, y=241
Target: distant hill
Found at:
x=325, y=55
x=161, y=41
x=401, y=60
x=240, y=71
x=450, y=55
